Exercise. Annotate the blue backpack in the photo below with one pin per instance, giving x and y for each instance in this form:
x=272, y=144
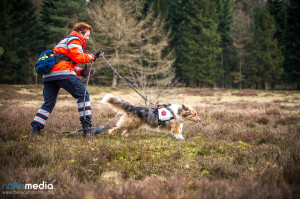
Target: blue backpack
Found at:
x=45, y=62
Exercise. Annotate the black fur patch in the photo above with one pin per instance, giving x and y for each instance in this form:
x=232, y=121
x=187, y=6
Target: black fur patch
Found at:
x=147, y=114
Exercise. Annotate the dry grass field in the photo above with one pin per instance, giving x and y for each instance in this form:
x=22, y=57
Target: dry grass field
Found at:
x=247, y=146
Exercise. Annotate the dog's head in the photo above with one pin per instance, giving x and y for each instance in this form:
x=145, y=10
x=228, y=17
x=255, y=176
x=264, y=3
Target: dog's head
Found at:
x=188, y=113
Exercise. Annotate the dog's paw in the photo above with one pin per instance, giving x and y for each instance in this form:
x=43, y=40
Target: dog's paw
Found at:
x=179, y=137
x=110, y=132
x=125, y=135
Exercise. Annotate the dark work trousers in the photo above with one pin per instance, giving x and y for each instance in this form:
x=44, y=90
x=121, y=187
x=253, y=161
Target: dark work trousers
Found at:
x=75, y=87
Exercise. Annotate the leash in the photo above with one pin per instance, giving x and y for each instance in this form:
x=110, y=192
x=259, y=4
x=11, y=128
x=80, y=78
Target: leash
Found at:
x=165, y=105
x=102, y=55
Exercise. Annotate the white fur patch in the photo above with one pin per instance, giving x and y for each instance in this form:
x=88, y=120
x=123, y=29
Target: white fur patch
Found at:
x=175, y=108
x=106, y=98
x=179, y=137
x=180, y=128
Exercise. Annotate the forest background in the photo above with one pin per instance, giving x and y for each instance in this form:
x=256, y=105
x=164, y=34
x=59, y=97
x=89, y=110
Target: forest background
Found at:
x=207, y=43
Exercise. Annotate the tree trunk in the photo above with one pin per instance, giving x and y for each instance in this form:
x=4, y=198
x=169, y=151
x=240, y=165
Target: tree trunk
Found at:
x=215, y=84
x=222, y=59
x=240, y=83
x=114, y=81
x=273, y=86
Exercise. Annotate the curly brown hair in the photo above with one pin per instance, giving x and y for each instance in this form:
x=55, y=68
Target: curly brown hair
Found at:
x=82, y=27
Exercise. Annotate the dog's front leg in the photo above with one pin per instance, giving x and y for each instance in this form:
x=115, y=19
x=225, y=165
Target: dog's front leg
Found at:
x=180, y=128
x=176, y=129
x=128, y=131
x=125, y=133
x=113, y=130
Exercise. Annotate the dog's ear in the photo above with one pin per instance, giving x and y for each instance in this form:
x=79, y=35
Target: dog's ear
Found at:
x=184, y=107
x=180, y=110
x=183, y=110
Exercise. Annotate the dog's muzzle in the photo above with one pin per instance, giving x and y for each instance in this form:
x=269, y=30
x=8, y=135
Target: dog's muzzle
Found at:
x=197, y=119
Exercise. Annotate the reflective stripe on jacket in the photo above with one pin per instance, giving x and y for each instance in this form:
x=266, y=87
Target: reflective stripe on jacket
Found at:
x=73, y=47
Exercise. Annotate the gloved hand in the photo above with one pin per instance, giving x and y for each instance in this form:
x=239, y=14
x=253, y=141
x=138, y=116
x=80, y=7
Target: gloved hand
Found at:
x=85, y=71
x=97, y=54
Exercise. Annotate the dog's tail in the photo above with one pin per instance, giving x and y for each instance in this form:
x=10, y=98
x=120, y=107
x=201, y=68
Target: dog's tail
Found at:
x=117, y=103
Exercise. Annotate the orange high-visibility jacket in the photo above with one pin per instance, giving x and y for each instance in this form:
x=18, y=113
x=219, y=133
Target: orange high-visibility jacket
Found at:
x=73, y=47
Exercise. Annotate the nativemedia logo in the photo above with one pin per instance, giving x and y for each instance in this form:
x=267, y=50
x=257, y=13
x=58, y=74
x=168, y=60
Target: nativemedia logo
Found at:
x=22, y=188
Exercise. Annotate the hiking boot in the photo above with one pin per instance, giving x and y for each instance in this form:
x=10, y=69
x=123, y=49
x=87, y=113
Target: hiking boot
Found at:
x=99, y=129
x=88, y=128
x=35, y=131
x=86, y=125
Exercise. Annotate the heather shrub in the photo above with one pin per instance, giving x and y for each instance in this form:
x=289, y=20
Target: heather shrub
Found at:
x=240, y=150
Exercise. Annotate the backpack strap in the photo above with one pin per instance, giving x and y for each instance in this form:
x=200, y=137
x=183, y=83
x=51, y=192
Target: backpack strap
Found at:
x=71, y=38
x=65, y=42
x=59, y=57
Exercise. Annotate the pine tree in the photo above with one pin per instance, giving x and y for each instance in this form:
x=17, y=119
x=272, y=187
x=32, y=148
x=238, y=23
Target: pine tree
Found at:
x=19, y=40
x=242, y=42
x=278, y=10
x=268, y=57
x=160, y=7
x=6, y=39
x=225, y=13
x=292, y=52
x=58, y=18
x=199, y=44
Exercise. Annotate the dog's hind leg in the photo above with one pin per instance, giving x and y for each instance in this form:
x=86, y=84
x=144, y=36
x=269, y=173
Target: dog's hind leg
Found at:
x=120, y=125
x=128, y=123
